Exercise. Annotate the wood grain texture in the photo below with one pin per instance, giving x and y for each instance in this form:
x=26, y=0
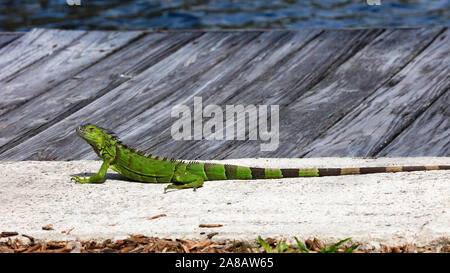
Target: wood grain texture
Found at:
x=310, y=115
x=75, y=92
x=358, y=92
x=427, y=135
x=60, y=65
x=255, y=62
x=148, y=88
x=8, y=37
x=280, y=83
x=391, y=108
x=33, y=46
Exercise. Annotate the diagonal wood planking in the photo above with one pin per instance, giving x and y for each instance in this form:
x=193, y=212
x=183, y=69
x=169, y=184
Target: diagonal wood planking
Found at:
x=310, y=115
x=60, y=65
x=316, y=77
x=72, y=94
x=248, y=64
x=33, y=46
x=391, y=108
x=427, y=135
x=132, y=97
x=300, y=62
x=212, y=83
x=8, y=37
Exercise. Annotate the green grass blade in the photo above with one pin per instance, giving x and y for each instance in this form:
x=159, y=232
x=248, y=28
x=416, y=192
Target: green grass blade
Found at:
x=265, y=245
x=279, y=248
x=300, y=246
x=350, y=249
x=282, y=247
x=333, y=248
x=338, y=244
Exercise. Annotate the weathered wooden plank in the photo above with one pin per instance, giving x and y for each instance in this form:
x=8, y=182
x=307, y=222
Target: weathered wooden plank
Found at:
x=427, y=135
x=134, y=96
x=75, y=92
x=56, y=68
x=249, y=63
x=390, y=109
x=316, y=80
x=209, y=82
x=309, y=116
x=34, y=45
x=8, y=37
x=295, y=69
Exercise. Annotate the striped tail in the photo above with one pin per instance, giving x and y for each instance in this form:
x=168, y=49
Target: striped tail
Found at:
x=238, y=172
x=214, y=171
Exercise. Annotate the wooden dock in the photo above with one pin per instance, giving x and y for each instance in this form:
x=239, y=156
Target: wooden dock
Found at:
x=353, y=92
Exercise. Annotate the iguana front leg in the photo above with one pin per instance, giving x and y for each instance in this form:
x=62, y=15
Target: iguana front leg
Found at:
x=98, y=177
x=185, y=180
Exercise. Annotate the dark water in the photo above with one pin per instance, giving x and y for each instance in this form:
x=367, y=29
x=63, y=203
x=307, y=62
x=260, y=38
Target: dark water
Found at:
x=21, y=15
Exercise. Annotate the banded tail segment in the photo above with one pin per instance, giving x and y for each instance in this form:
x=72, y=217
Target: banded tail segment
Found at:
x=369, y=170
x=363, y=170
x=221, y=172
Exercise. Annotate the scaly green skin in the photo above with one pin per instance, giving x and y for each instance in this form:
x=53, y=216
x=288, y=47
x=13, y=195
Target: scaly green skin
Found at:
x=143, y=167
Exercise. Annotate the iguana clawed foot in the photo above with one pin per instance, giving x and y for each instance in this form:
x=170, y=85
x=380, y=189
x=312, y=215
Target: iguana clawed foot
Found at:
x=180, y=187
x=80, y=180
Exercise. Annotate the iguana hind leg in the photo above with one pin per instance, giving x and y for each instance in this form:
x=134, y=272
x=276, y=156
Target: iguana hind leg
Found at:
x=185, y=180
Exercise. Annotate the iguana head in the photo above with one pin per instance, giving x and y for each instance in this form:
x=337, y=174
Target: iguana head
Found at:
x=97, y=137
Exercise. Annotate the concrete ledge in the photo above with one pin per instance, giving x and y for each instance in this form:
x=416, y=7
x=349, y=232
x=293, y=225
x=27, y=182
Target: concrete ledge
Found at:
x=373, y=209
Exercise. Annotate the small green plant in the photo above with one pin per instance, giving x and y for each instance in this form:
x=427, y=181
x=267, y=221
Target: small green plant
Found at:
x=265, y=245
x=300, y=246
x=241, y=246
x=336, y=246
x=282, y=247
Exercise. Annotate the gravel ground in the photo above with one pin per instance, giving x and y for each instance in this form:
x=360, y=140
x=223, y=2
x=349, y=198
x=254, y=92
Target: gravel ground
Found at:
x=380, y=212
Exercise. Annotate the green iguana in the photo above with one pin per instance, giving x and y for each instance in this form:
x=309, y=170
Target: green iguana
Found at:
x=139, y=166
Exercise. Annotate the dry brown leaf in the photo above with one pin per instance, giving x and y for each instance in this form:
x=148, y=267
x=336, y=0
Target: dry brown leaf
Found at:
x=385, y=249
x=156, y=216
x=29, y=237
x=210, y=225
x=318, y=243
x=8, y=234
x=6, y=250
x=137, y=249
x=201, y=244
x=126, y=249
x=271, y=241
x=212, y=234
x=185, y=248
x=48, y=227
x=33, y=248
x=396, y=249
x=309, y=244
